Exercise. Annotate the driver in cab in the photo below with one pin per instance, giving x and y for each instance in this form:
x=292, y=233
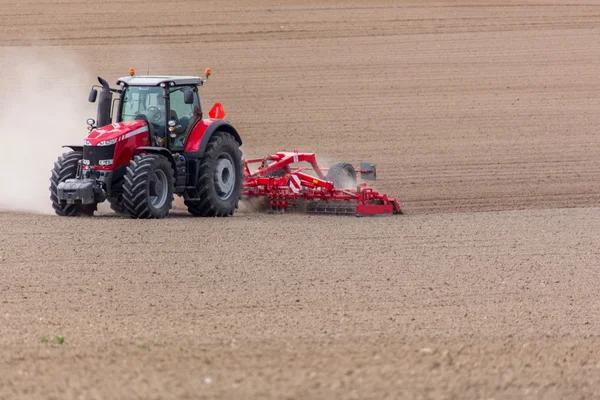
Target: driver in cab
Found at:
x=151, y=107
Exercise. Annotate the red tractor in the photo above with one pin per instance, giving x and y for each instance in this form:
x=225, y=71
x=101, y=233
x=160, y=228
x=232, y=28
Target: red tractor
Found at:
x=157, y=144
x=154, y=145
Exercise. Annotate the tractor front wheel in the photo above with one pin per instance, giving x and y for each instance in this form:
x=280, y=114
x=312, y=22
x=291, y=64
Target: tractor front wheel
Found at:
x=148, y=187
x=219, y=179
x=66, y=168
x=116, y=204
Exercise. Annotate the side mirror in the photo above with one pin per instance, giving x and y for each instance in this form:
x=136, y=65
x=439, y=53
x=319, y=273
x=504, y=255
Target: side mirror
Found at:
x=92, y=96
x=188, y=97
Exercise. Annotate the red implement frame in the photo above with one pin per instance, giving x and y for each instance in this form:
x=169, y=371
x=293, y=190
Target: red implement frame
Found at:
x=286, y=186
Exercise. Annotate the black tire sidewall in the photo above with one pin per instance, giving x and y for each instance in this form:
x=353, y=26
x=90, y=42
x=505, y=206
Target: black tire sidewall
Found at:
x=164, y=165
x=230, y=148
x=136, y=188
x=116, y=204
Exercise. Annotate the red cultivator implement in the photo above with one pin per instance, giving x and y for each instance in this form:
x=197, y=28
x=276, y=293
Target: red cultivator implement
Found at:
x=289, y=188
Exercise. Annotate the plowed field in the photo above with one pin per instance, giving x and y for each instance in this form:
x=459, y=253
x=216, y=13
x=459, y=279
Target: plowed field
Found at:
x=482, y=119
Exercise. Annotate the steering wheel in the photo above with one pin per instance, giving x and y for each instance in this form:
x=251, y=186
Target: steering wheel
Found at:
x=157, y=113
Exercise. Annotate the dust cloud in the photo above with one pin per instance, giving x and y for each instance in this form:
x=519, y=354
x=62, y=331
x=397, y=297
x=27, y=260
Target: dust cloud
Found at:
x=44, y=106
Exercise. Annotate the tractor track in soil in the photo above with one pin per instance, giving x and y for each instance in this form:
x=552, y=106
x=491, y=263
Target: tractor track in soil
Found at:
x=482, y=119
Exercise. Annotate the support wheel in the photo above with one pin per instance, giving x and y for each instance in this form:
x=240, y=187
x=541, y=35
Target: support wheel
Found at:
x=342, y=175
x=220, y=178
x=148, y=187
x=66, y=168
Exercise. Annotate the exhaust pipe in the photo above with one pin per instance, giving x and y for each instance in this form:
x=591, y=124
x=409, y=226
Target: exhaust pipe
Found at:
x=104, y=104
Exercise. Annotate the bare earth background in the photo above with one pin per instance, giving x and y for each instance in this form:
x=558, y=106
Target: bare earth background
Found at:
x=482, y=118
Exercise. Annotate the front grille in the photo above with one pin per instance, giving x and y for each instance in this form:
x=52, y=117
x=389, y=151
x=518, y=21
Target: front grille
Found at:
x=93, y=154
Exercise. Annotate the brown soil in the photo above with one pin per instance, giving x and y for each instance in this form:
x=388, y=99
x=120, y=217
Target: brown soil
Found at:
x=481, y=117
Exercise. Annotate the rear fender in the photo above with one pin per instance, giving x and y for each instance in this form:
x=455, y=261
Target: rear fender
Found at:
x=203, y=131
x=198, y=141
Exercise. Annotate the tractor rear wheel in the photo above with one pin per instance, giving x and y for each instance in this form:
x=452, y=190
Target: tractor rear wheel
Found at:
x=220, y=178
x=342, y=175
x=148, y=187
x=66, y=168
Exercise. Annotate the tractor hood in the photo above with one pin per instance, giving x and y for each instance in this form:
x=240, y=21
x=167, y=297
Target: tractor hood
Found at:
x=116, y=132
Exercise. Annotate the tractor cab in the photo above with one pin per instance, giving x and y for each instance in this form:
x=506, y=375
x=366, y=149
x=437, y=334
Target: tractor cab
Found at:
x=170, y=105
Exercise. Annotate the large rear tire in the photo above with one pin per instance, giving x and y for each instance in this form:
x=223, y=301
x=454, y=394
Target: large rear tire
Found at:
x=343, y=175
x=66, y=168
x=148, y=187
x=220, y=178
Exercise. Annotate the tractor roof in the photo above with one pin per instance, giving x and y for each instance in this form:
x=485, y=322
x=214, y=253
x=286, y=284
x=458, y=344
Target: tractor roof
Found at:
x=157, y=80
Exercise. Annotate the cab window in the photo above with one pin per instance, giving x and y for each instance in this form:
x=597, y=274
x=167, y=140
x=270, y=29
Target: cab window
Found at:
x=182, y=114
x=137, y=99
x=178, y=107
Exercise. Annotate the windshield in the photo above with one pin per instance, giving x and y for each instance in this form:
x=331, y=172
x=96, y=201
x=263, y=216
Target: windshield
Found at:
x=146, y=103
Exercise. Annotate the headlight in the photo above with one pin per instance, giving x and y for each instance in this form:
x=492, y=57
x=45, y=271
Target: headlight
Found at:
x=107, y=142
x=86, y=142
x=105, y=162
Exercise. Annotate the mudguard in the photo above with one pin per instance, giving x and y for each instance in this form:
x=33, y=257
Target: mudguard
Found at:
x=201, y=134
x=156, y=150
